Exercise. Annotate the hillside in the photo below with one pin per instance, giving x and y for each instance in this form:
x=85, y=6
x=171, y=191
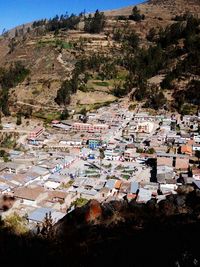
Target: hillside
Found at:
x=52, y=57
x=113, y=234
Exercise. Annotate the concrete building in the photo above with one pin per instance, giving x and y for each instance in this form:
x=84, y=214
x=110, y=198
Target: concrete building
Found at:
x=164, y=173
x=87, y=127
x=35, y=133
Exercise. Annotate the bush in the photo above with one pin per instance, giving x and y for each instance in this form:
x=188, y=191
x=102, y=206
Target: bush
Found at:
x=95, y=24
x=136, y=16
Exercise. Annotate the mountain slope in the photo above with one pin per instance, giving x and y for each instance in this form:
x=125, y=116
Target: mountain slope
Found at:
x=51, y=56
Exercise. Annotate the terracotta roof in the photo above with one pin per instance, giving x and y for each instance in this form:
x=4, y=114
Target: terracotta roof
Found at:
x=30, y=193
x=186, y=149
x=118, y=184
x=57, y=194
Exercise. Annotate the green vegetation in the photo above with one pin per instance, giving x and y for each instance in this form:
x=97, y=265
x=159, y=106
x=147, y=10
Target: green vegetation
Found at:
x=136, y=16
x=96, y=23
x=19, y=119
x=10, y=77
x=56, y=43
x=92, y=171
x=173, y=51
x=67, y=185
x=105, y=84
x=47, y=117
x=64, y=115
x=63, y=22
x=4, y=155
x=17, y=224
x=126, y=176
x=132, y=107
x=8, y=141
x=128, y=171
x=108, y=166
x=79, y=202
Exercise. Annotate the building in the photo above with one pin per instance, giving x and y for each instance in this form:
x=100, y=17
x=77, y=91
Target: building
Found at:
x=35, y=133
x=87, y=127
x=13, y=167
x=186, y=150
x=164, y=173
x=196, y=174
x=94, y=143
x=196, y=147
x=31, y=195
x=39, y=215
x=144, y=127
x=130, y=154
x=178, y=161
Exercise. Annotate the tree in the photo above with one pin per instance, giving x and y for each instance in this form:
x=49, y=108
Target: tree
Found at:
x=19, y=119
x=83, y=112
x=47, y=224
x=64, y=115
x=131, y=41
x=95, y=24
x=64, y=94
x=136, y=16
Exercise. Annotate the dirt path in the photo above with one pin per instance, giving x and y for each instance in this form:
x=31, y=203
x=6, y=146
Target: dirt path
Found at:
x=40, y=106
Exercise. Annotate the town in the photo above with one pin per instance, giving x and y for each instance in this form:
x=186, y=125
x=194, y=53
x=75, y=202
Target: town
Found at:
x=112, y=154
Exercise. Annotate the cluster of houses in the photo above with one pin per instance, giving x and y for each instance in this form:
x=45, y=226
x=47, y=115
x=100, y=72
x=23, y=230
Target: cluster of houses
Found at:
x=115, y=154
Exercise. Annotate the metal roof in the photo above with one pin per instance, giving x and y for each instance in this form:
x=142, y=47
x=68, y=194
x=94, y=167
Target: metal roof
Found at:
x=111, y=183
x=162, y=154
x=134, y=187
x=39, y=214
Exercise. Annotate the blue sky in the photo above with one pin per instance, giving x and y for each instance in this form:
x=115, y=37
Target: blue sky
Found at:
x=17, y=12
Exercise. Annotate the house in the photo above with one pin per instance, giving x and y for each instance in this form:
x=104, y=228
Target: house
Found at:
x=94, y=143
x=13, y=167
x=168, y=189
x=51, y=185
x=57, y=196
x=35, y=133
x=72, y=142
x=164, y=173
x=197, y=139
x=144, y=127
x=108, y=153
x=196, y=147
x=41, y=171
x=130, y=154
x=30, y=195
x=144, y=195
x=196, y=174
x=39, y=215
x=134, y=187
x=186, y=150
x=4, y=188
x=178, y=161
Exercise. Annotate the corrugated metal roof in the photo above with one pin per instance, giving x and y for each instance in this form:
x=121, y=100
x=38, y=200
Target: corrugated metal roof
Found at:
x=110, y=183
x=39, y=170
x=38, y=215
x=134, y=187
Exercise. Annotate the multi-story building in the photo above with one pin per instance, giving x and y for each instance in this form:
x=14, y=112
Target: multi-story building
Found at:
x=87, y=127
x=35, y=133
